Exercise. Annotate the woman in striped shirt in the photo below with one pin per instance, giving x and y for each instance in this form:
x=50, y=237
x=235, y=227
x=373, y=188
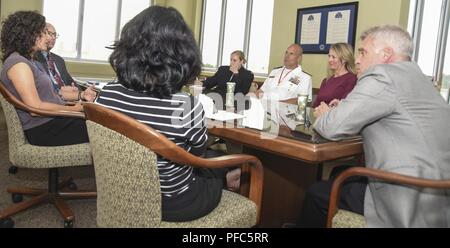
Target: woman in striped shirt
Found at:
x=155, y=56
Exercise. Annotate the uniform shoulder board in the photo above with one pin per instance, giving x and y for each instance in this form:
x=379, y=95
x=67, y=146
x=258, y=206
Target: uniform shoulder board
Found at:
x=277, y=67
x=307, y=73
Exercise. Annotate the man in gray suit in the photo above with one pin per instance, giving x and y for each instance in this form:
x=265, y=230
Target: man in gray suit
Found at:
x=404, y=123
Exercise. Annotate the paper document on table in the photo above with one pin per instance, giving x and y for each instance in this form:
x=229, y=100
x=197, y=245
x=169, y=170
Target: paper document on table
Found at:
x=208, y=105
x=255, y=115
x=225, y=116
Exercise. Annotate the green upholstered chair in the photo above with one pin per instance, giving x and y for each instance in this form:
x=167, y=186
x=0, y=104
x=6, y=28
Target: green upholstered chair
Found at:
x=347, y=219
x=338, y=218
x=24, y=155
x=125, y=162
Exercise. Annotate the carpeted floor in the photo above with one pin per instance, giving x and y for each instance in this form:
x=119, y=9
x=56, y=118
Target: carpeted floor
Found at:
x=44, y=215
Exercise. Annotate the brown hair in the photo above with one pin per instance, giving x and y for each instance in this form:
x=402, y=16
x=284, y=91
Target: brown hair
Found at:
x=345, y=54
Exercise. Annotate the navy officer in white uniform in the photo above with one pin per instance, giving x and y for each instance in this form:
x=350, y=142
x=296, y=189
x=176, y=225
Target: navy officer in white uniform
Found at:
x=288, y=81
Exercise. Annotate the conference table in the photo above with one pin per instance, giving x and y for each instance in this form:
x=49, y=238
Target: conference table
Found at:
x=292, y=154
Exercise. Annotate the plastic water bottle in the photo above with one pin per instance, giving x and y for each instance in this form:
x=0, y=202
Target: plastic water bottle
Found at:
x=229, y=101
x=302, y=100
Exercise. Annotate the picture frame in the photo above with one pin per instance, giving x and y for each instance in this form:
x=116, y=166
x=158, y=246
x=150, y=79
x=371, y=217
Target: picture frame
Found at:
x=317, y=28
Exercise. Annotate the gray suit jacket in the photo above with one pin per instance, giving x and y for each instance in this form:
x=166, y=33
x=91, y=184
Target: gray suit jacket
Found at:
x=60, y=65
x=404, y=123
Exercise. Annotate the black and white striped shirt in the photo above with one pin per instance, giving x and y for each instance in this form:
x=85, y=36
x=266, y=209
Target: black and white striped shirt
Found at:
x=179, y=118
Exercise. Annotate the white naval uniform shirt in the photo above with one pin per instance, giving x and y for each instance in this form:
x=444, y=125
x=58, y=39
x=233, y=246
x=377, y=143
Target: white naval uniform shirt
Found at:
x=292, y=82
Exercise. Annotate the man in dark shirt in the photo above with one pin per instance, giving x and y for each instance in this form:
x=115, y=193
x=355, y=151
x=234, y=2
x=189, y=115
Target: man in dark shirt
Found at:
x=55, y=65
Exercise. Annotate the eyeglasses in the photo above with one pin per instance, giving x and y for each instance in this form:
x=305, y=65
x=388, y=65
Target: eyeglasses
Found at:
x=53, y=34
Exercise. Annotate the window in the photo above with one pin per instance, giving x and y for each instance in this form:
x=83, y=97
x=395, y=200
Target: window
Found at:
x=412, y=15
x=446, y=73
x=93, y=26
x=230, y=25
x=429, y=25
x=211, y=33
x=234, y=29
x=429, y=36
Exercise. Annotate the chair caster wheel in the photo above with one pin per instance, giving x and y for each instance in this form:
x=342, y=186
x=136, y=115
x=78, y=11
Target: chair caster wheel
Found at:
x=13, y=170
x=16, y=198
x=72, y=185
x=6, y=223
x=68, y=224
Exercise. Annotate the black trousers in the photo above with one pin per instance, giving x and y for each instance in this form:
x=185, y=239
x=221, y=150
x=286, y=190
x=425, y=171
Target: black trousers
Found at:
x=315, y=206
x=58, y=132
x=203, y=196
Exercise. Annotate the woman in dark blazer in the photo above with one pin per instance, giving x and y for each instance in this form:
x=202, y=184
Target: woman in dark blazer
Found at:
x=235, y=72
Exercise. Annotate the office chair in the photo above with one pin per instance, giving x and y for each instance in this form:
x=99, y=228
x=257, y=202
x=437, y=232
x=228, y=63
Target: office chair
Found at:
x=24, y=155
x=125, y=162
x=12, y=169
x=346, y=219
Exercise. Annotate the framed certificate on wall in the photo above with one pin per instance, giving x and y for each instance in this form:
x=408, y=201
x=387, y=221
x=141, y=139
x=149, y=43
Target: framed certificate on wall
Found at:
x=319, y=27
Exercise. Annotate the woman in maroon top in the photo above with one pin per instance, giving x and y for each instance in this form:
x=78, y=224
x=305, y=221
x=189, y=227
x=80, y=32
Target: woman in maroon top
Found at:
x=341, y=74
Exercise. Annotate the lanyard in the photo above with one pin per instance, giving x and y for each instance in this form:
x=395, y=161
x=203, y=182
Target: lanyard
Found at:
x=281, y=76
x=38, y=66
x=232, y=75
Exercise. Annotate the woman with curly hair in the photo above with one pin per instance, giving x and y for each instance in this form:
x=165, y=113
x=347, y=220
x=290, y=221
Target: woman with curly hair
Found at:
x=154, y=58
x=23, y=34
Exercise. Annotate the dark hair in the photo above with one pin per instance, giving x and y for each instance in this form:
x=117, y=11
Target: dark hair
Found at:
x=20, y=31
x=156, y=53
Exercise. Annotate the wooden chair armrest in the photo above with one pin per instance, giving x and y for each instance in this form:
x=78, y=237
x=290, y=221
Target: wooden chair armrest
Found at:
x=54, y=113
x=381, y=175
x=35, y=111
x=158, y=143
